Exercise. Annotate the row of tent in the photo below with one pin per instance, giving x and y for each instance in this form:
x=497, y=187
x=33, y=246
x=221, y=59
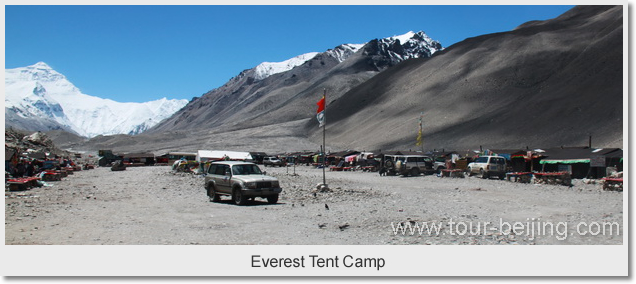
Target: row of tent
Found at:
x=579, y=161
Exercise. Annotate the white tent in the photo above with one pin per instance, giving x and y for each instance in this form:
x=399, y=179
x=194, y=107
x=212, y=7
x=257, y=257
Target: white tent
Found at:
x=207, y=155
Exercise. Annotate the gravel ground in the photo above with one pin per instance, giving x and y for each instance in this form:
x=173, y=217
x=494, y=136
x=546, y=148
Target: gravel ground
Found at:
x=154, y=206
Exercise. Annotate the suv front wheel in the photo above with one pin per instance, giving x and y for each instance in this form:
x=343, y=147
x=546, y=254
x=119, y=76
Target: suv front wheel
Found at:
x=483, y=174
x=272, y=199
x=238, y=197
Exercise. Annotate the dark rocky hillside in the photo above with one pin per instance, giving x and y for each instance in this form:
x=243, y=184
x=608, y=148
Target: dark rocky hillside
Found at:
x=544, y=84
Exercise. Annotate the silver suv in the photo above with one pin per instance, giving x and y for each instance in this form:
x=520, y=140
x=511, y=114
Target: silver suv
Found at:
x=241, y=181
x=406, y=165
x=272, y=161
x=487, y=166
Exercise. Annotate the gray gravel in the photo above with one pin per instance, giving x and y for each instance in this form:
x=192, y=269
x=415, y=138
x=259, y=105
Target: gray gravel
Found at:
x=153, y=206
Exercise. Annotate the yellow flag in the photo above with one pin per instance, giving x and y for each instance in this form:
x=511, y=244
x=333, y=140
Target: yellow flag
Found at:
x=419, y=138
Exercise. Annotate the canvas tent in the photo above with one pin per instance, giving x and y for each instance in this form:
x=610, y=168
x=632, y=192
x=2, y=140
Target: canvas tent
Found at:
x=258, y=156
x=580, y=162
x=139, y=158
x=171, y=157
x=207, y=155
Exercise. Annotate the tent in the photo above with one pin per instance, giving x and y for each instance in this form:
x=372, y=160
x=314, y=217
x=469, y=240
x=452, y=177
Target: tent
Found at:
x=207, y=155
x=580, y=161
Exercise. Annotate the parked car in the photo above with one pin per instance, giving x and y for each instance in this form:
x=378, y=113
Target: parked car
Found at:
x=487, y=166
x=439, y=165
x=406, y=165
x=241, y=181
x=272, y=161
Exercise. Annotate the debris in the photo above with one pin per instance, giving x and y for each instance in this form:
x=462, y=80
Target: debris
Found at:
x=118, y=166
x=322, y=188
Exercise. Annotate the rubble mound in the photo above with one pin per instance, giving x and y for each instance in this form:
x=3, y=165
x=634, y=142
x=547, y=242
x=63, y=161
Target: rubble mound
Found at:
x=30, y=143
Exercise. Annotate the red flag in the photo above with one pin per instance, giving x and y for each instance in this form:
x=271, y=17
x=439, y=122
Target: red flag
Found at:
x=321, y=105
x=320, y=114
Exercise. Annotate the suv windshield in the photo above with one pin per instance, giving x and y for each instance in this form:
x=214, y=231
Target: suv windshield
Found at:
x=246, y=170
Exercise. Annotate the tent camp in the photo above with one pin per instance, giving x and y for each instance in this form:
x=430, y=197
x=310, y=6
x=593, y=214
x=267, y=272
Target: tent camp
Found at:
x=580, y=162
x=207, y=155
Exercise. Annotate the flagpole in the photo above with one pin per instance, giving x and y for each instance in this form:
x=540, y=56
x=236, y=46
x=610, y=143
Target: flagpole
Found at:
x=324, y=146
x=419, y=133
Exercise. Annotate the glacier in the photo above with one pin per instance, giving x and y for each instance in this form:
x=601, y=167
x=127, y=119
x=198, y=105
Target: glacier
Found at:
x=39, y=92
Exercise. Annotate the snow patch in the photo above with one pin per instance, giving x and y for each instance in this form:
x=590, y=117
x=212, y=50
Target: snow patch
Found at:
x=267, y=69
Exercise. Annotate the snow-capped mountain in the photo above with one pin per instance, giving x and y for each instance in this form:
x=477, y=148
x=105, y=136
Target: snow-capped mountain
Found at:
x=416, y=44
x=278, y=92
x=389, y=51
x=39, y=98
x=267, y=69
x=342, y=52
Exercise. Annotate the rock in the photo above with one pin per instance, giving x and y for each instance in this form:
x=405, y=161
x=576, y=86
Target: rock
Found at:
x=39, y=138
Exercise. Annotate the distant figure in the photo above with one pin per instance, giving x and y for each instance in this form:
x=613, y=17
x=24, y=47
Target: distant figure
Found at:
x=20, y=169
x=326, y=206
x=382, y=171
x=30, y=169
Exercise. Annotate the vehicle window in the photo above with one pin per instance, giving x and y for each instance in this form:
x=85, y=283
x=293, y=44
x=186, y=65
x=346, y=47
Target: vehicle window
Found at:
x=481, y=160
x=246, y=170
x=220, y=170
x=500, y=161
x=212, y=169
x=411, y=159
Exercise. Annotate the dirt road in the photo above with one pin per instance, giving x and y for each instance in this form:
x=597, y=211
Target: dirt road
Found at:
x=153, y=206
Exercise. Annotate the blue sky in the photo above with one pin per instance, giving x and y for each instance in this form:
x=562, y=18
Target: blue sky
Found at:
x=143, y=53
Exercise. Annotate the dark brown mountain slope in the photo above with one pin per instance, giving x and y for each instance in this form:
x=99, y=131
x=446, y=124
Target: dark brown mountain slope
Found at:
x=545, y=84
x=246, y=101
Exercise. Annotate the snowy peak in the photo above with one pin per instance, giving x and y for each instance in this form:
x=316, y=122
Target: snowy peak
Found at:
x=342, y=52
x=415, y=45
x=389, y=51
x=402, y=38
x=36, y=94
x=40, y=72
x=267, y=69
